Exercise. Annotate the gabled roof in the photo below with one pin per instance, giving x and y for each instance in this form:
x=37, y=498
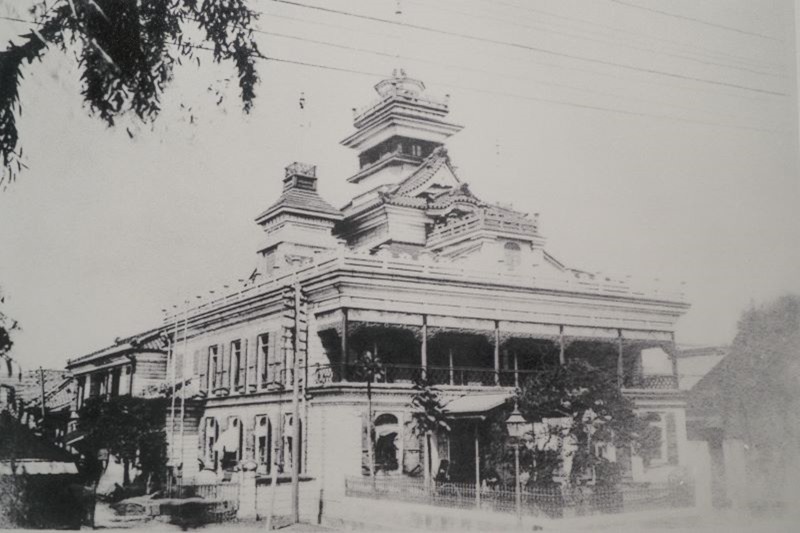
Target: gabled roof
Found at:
x=425, y=172
x=304, y=202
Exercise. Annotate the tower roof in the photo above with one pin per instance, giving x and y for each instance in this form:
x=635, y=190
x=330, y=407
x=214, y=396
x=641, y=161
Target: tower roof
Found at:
x=300, y=196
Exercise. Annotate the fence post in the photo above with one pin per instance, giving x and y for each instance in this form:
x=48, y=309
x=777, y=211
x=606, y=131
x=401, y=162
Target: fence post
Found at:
x=247, y=492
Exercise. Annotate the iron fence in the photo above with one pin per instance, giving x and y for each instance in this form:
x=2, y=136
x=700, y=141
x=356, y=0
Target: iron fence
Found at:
x=555, y=502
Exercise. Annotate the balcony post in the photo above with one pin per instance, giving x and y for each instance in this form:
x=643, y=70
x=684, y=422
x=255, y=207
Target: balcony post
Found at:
x=450, y=365
x=620, y=367
x=497, y=352
x=345, y=357
x=561, y=348
x=673, y=356
x=424, y=348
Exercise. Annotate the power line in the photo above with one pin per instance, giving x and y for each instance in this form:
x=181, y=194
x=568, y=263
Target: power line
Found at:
x=482, y=71
x=697, y=20
x=616, y=29
x=737, y=94
x=566, y=103
x=599, y=40
x=529, y=48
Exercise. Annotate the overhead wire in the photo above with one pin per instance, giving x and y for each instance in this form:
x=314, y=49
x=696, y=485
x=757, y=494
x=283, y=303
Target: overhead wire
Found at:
x=528, y=61
x=565, y=103
x=607, y=41
x=530, y=48
x=696, y=20
x=646, y=37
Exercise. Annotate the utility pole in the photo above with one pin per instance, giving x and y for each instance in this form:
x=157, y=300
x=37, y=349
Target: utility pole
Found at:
x=296, y=407
x=41, y=382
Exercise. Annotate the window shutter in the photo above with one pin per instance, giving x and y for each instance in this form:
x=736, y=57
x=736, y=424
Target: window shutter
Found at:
x=275, y=357
x=252, y=362
x=222, y=366
x=179, y=370
x=243, y=362
x=248, y=430
x=200, y=369
x=672, y=439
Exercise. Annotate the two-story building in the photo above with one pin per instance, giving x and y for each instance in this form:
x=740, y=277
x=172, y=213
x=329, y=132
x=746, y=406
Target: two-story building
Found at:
x=415, y=270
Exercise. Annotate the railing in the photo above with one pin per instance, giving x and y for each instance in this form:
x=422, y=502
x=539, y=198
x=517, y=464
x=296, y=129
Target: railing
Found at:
x=555, y=502
x=209, y=503
x=321, y=375
x=427, y=268
x=482, y=220
x=665, y=381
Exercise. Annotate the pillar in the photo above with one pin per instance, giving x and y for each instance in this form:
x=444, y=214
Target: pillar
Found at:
x=345, y=356
x=477, y=468
x=247, y=492
x=561, y=347
x=423, y=352
x=620, y=368
x=496, y=352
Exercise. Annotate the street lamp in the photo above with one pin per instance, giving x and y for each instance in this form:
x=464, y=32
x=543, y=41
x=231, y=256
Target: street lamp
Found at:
x=516, y=425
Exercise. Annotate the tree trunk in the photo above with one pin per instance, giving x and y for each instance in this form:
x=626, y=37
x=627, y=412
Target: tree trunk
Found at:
x=428, y=460
x=370, y=447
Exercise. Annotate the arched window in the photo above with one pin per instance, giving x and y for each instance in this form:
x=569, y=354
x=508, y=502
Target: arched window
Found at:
x=263, y=442
x=387, y=432
x=513, y=255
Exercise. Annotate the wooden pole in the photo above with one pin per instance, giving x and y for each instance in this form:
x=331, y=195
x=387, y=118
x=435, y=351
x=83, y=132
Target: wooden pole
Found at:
x=450, y=364
x=496, y=352
x=296, y=410
x=477, y=468
x=620, y=367
x=424, y=349
x=345, y=358
x=41, y=382
x=183, y=382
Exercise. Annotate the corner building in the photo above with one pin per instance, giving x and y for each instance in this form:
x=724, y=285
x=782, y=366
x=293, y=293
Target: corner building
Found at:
x=430, y=278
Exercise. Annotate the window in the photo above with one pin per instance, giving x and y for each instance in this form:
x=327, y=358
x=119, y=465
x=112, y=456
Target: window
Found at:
x=288, y=437
x=210, y=435
x=513, y=255
x=263, y=441
x=236, y=364
x=416, y=150
x=213, y=364
x=263, y=359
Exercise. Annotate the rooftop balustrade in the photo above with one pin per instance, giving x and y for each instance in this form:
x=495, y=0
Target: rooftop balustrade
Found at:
x=481, y=220
x=426, y=268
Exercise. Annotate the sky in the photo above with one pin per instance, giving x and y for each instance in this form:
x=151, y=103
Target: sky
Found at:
x=654, y=138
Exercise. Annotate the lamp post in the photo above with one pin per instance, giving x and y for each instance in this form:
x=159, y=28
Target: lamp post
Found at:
x=516, y=429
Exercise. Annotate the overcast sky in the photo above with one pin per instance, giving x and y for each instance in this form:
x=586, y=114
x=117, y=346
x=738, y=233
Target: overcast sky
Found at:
x=655, y=138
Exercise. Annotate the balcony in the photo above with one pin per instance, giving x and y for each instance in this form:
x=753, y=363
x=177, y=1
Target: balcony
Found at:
x=334, y=374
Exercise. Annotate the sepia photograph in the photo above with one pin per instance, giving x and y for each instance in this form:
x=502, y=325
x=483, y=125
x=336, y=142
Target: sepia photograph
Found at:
x=400, y=265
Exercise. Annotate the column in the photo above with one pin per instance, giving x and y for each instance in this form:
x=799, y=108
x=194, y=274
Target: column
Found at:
x=477, y=468
x=620, y=367
x=561, y=347
x=496, y=352
x=673, y=356
x=345, y=357
x=516, y=370
x=424, y=349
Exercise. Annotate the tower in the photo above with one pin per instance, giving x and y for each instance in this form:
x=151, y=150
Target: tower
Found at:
x=397, y=132
x=299, y=224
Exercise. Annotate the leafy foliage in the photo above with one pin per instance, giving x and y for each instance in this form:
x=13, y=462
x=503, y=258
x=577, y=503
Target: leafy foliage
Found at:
x=7, y=326
x=126, y=52
x=131, y=428
x=581, y=409
x=428, y=415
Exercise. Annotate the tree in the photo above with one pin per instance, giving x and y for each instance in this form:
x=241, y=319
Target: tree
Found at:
x=131, y=428
x=429, y=417
x=369, y=368
x=578, y=409
x=7, y=326
x=126, y=52
x=755, y=389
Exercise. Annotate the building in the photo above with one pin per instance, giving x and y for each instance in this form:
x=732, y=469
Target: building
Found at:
x=417, y=271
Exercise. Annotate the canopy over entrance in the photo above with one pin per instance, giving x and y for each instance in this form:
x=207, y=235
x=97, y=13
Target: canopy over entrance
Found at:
x=476, y=405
